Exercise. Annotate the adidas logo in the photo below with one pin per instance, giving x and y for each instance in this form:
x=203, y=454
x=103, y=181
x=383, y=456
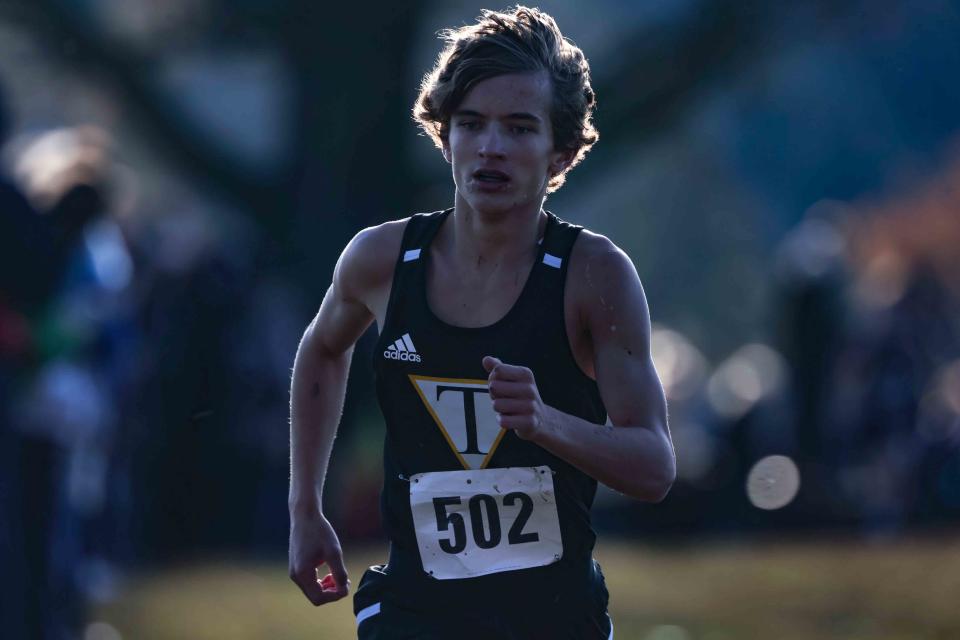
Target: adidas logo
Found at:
x=402, y=349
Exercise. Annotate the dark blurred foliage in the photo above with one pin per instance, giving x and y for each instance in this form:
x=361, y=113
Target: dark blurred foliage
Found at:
x=800, y=263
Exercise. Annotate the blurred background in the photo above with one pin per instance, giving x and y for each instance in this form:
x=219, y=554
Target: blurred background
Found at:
x=179, y=177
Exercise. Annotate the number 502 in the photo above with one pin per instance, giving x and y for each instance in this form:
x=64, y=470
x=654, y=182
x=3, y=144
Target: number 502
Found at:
x=484, y=537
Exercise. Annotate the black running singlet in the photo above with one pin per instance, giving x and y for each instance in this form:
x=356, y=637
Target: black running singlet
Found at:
x=481, y=522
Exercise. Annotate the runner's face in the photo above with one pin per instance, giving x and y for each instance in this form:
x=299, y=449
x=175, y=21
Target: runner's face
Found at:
x=501, y=143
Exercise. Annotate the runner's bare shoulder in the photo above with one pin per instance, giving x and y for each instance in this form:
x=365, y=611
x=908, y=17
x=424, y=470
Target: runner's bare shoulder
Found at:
x=598, y=267
x=365, y=268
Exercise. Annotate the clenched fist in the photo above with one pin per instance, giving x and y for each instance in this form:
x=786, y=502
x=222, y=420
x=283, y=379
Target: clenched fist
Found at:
x=515, y=397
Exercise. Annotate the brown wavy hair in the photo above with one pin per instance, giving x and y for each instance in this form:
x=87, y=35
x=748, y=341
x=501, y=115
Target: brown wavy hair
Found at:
x=520, y=40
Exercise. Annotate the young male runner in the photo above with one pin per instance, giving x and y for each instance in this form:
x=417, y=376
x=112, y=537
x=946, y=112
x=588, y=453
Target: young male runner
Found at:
x=507, y=338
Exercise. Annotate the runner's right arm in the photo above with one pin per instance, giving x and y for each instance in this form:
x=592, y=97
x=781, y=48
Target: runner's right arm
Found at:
x=361, y=282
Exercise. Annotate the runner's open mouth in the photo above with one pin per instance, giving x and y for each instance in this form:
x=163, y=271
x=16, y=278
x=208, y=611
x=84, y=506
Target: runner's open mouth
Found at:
x=487, y=175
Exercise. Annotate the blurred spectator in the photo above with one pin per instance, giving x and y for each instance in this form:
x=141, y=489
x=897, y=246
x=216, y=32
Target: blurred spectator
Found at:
x=890, y=396
x=812, y=277
x=866, y=395
x=63, y=414
x=187, y=475
x=26, y=276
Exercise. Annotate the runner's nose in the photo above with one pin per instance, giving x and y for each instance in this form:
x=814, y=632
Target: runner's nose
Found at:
x=492, y=144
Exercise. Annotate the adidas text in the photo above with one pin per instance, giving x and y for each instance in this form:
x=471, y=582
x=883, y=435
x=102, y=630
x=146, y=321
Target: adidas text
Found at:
x=402, y=355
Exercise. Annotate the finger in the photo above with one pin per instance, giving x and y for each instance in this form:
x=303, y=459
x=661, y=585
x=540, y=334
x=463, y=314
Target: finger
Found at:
x=310, y=586
x=507, y=421
x=319, y=591
x=512, y=406
x=511, y=372
x=499, y=370
x=507, y=389
x=331, y=591
x=329, y=596
x=489, y=363
x=339, y=572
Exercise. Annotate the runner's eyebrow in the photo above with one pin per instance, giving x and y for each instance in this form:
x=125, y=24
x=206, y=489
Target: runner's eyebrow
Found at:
x=467, y=113
x=522, y=115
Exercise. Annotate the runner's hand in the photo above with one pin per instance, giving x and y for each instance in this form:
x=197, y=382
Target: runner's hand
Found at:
x=313, y=542
x=515, y=397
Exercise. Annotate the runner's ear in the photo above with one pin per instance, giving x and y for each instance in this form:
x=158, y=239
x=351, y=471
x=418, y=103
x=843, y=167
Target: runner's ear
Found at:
x=560, y=163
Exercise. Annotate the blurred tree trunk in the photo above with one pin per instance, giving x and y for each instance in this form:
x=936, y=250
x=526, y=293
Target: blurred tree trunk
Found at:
x=346, y=168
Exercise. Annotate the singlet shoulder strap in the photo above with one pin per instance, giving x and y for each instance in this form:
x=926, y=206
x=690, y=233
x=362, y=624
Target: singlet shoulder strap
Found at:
x=551, y=270
x=417, y=235
x=557, y=244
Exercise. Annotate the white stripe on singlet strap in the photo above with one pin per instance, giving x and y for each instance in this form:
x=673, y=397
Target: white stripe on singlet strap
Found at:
x=368, y=612
x=551, y=260
x=611, y=627
x=412, y=254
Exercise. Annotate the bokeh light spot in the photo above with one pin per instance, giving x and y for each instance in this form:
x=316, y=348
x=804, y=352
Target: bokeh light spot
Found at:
x=949, y=386
x=939, y=415
x=883, y=281
x=752, y=373
x=679, y=363
x=773, y=482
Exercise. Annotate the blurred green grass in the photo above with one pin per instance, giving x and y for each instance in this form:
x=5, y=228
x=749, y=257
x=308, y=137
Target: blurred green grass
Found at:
x=799, y=590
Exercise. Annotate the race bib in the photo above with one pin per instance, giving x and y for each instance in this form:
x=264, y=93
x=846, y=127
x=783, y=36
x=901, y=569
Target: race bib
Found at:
x=481, y=521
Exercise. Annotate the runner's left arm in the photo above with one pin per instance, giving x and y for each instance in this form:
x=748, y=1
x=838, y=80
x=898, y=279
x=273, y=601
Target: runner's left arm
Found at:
x=634, y=454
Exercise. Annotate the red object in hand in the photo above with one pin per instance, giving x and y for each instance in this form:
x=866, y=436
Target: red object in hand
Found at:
x=328, y=583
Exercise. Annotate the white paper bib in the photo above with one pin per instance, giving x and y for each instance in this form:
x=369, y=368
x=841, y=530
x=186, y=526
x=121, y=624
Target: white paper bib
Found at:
x=476, y=522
